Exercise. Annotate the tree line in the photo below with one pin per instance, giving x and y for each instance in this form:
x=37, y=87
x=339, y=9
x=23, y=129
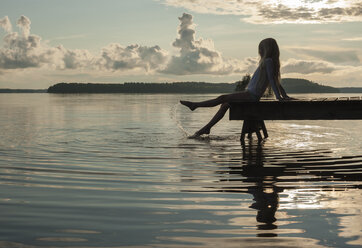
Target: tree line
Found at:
x=134, y=87
x=291, y=85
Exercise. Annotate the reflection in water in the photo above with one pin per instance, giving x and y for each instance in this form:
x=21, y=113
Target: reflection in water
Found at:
x=265, y=191
x=307, y=179
x=114, y=171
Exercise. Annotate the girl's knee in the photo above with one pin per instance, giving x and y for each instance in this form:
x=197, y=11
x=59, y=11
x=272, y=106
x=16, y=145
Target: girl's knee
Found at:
x=222, y=98
x=225, y=105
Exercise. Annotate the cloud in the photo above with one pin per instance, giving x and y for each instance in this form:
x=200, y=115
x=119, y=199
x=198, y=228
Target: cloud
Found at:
x=335, y=55
x=116, y=57
x=24, y=24
x=25, y=50
x=282, y=11
x=308, y=67
x=28, y=51
x=321, y=72
x=70, y=37
x=74, y=59
x=6, y=24
x=198, y=56
x=193, y=57
x=353, y=39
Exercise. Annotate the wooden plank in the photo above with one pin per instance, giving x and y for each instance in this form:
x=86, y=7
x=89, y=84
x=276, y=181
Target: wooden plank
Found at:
x=296, y=110
x=318, y=99
x=332, y=99
x=343, y=98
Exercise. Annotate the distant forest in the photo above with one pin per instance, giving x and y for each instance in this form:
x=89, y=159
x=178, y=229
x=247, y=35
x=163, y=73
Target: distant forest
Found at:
x=22, y=91
x=291, y=85
x=296, y=85
x=176, y=87
x=350, y=90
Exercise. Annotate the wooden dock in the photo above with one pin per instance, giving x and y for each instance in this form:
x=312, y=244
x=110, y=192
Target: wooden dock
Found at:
x=254, y=113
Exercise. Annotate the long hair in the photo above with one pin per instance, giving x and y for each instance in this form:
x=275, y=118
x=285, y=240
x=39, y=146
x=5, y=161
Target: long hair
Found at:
x=268, y=48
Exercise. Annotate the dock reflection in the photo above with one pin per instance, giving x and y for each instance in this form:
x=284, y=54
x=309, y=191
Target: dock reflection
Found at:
x=266, y=172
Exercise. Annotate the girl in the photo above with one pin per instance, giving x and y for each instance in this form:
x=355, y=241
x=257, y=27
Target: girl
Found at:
x=267, y=74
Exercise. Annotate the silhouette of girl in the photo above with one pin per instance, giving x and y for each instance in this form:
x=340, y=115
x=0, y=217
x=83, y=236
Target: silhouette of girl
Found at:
x=267, y=74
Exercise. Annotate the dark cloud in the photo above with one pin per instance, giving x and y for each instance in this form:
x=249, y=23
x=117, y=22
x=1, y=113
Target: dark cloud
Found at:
x=329, y=13
x=283, y=11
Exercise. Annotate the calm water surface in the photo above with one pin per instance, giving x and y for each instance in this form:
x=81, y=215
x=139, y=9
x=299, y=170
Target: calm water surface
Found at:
x=118, y=170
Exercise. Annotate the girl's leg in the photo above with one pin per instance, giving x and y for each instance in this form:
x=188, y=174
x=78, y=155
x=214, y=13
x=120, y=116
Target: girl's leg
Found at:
x=217, y=117
x=244, y=95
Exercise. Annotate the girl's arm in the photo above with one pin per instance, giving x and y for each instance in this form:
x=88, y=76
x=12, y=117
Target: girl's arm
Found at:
x=270, y=75
x=284, y=94
x=282, y=91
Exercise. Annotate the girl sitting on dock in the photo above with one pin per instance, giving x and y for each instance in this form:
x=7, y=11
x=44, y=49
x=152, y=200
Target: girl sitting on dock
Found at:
x=266, y=75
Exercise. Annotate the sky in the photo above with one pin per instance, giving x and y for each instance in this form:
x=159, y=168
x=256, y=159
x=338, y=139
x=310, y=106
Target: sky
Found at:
x=45, y=42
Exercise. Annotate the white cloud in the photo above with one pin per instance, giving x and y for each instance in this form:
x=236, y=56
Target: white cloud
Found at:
x=24, y=24
x=353, y=39
x=338, y=76
x=323, y=72
x=195, y=57
x=331, y=54
x=116, y=57
x=198, y=56
x=28, y=50
x=74, y=59
x=308, y=67
x=25, y=50
x=281, y=11
x=6, y=24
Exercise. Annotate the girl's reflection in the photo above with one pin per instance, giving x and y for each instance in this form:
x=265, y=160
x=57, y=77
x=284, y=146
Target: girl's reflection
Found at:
x=265, y=191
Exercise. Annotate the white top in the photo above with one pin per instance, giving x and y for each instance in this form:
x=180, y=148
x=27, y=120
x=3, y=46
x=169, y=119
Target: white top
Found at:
x=258, y=90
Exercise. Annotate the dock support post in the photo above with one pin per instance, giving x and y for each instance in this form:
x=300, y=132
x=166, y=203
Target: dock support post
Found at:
x=263, y=127
x=253, y=126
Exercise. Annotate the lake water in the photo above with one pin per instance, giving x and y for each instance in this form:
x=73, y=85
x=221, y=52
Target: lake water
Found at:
x=116, y=170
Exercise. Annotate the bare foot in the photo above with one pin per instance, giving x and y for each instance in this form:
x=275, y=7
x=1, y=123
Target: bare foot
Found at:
x=201, y=132
x=188, y=104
